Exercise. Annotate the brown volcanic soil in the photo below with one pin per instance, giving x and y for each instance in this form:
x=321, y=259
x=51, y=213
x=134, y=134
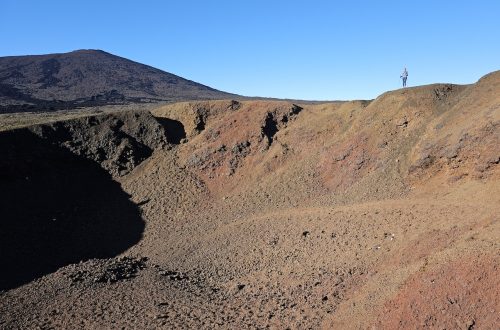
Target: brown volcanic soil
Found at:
x=355, y=215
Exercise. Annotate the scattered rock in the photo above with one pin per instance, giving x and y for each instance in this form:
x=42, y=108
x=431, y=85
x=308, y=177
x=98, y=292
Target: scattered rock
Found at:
x=471, y=324
x=389, y=236
x=443, y=92
x=239, y=151
x=108, y=270
x=402, y=122
x=422, y=163
x=234, y=105
x=342, y=155
x=173, y=275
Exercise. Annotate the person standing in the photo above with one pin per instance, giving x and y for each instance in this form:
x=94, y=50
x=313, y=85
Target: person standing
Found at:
x=404, y=76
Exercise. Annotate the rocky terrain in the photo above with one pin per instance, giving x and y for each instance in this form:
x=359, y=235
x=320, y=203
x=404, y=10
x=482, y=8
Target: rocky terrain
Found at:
x=379, y=214
x=86, y=78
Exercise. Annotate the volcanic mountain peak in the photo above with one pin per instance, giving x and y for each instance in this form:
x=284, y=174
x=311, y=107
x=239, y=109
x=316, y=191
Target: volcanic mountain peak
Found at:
x=90, y=77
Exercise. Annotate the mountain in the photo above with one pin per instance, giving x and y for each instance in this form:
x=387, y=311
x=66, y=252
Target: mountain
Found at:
x=87, y=78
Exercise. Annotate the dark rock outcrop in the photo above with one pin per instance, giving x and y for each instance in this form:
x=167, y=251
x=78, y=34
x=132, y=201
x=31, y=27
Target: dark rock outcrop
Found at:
x=118, y=142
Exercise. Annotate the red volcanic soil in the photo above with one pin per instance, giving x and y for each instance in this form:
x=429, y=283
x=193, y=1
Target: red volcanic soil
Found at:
x=459, y=295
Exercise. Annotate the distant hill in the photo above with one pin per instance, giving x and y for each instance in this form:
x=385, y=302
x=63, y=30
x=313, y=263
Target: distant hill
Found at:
x=87, y=78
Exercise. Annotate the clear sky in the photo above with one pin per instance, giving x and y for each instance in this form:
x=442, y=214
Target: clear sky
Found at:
x=322, y=50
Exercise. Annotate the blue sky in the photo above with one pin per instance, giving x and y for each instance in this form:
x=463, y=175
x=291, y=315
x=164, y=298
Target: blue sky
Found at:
x=322, y=50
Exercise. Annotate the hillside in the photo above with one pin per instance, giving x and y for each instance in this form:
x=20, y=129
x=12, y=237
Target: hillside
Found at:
x=89, y=78
x=378, y=214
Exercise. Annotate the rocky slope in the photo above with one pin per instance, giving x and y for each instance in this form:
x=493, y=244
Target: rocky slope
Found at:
x=378, y=214
x=89, y=78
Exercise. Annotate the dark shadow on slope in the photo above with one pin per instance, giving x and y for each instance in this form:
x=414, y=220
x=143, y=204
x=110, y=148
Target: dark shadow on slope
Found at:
x=270, y=128
x=200, y=123
x=174, y=129
x=57, y=208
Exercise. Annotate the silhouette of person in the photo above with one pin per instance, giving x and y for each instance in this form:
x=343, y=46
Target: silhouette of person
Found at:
x=404, y=76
